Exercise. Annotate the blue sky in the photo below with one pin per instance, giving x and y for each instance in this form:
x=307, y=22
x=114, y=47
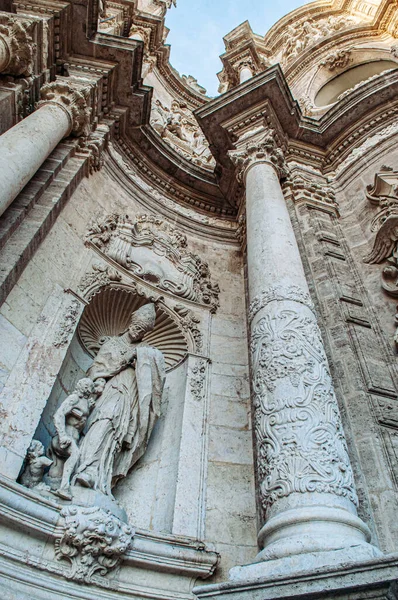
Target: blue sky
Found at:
x=198, y=26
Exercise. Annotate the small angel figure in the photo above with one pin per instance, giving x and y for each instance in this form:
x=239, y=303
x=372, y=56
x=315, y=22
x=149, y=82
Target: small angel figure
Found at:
x=70, y=420
x=36, y=462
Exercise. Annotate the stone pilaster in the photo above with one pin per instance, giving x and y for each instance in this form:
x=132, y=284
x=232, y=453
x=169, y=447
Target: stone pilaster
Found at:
x=17, y=49
x=62, y=111
x=305, y=481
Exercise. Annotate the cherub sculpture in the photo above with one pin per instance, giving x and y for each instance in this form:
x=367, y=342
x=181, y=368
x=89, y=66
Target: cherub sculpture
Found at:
x=36, y=463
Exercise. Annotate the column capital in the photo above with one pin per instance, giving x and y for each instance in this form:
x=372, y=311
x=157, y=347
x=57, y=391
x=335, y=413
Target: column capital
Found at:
x=17, y=49
x=259, y=148
x=71, y=99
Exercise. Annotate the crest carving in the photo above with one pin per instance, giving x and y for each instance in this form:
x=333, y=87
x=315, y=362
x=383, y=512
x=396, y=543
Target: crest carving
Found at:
x=157, y=253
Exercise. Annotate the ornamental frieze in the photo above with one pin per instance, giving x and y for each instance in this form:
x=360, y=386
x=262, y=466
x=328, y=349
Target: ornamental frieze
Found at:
x=157, y=253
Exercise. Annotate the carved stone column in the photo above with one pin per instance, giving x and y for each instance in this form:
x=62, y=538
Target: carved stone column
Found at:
x=305, y=481
x=23, y=148
x=16, y=46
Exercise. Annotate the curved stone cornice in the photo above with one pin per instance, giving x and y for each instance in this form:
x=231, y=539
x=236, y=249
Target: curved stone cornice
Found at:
x=323, y=142
x=261, y=149
x=17, y=49
x=72, y=100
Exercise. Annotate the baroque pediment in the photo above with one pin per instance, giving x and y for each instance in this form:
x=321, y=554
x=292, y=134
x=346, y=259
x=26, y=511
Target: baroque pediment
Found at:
x=157, y=253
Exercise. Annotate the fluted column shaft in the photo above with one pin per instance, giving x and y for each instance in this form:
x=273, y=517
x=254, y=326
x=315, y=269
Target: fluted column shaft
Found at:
x=305, y=481
x=24, y=147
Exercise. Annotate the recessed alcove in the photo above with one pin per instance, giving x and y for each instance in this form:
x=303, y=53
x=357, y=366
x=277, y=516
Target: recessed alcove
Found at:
x=148, y=492
x=329, y=93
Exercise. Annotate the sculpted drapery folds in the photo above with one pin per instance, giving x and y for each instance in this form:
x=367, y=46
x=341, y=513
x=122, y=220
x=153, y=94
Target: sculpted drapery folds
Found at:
x=124, y=392
x=120, y=425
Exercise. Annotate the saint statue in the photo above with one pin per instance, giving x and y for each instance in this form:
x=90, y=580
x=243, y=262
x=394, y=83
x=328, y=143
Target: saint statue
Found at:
x=118, y=429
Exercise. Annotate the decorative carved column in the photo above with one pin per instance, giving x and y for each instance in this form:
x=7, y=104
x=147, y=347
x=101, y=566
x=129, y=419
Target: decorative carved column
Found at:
x=16, y=46
x=305, y=481
x=62, y=111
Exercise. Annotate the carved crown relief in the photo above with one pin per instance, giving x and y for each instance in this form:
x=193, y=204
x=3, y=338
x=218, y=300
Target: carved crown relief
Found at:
x=384, y=194
x=302, y=35
x=177, y=126
x=157, y=253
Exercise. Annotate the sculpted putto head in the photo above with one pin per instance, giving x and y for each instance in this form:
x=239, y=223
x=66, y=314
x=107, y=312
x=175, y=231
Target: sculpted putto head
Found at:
x=142, y=321
x=85, y=387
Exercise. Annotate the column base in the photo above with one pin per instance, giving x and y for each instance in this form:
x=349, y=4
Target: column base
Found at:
x=299, y=563
x=358, y=580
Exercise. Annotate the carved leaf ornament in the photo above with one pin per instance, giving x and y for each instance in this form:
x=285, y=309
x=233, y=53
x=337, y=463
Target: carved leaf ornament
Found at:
x=301, y=445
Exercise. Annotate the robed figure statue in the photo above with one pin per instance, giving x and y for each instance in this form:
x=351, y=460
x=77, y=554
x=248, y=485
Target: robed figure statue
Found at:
x=124, y=413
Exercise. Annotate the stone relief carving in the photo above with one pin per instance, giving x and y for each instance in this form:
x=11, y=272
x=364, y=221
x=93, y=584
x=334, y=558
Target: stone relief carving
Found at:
x=109, y=311
x=73, y=100
x=301, y=445
x=92, y=540
x=312, y=192
x=384, y=194
x=197, y=383
x=262, y=147
x=100, y=276
x=279, y=293
x=36, y=463
x=337, y=60
x=190, y=322
x=156, y=252
x=394, y=50
x=17, y=37
x=67, y=325
x=241, y=230
x=301, y=36
x=178, y=127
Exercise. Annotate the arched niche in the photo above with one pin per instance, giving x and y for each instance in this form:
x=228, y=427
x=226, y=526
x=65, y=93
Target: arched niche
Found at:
x=348, y=79
x=148, y=492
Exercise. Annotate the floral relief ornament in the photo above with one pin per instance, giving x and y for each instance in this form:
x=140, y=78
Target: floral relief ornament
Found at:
x=300, y=440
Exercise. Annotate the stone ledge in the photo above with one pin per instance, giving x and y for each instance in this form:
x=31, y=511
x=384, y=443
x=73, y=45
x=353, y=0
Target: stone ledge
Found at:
x=371, y=579
x=36, y=517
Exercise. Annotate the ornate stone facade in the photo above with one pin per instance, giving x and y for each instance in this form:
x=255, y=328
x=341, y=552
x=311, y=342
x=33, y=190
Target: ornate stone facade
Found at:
x=198, y=368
